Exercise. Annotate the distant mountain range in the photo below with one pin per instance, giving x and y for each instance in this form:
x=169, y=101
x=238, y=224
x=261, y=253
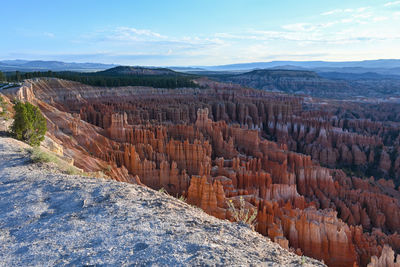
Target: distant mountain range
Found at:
x=39, y=65
x=388, y=65
x=371, y=78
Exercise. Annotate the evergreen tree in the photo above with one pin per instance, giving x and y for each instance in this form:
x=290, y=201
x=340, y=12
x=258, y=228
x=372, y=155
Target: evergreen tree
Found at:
x=29, y=124
x=18, y=76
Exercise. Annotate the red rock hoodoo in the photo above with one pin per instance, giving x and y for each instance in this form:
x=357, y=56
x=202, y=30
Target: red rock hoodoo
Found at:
x=217, y=144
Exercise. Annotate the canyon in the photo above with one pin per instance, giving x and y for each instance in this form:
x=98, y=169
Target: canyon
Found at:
x=323, y=175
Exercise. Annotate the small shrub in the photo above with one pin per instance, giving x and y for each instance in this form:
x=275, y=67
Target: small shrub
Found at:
x=303, y=260
x=243, y=214
x=162, y=190
x=29, y=124
x=71, y=170
x=40, y=156
x=3, y=106
x=37, y=155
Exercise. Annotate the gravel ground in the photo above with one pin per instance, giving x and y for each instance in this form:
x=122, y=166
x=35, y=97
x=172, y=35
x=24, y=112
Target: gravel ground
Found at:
x=48, y=218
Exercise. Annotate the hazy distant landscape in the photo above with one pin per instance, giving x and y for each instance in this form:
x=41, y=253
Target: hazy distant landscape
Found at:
x=370, y=79
x=384, y=67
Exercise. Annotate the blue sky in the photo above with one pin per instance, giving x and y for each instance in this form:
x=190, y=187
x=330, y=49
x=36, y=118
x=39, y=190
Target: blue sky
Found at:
x=202, y=32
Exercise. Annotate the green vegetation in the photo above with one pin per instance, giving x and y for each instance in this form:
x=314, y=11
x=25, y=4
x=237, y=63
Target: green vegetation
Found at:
x=2, y=77
x=242, y=213
x=18, y=77
x=3, y=106
x=182, y=198
x=113, y=79
x=303, y=260
x=29, y=124
x=71, y=170
x=162, y=190
x=38, y=155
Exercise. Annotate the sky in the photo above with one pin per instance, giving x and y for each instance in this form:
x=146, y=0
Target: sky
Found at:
x=199, y=32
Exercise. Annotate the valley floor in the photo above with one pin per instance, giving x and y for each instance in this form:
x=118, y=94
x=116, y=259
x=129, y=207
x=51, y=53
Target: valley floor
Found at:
x=48, y=218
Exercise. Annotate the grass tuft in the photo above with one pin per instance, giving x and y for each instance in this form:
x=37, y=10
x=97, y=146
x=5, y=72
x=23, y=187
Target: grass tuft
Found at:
x=37, y=155
x=182, y=198
x=242, y=213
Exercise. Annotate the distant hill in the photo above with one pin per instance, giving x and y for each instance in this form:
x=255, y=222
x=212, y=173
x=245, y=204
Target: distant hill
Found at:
x=128, y=70
x=331, y=85
x=279, y=73
x=290, y=81
x=381, y=66
x=39, y=65
x=117, y=76
x=358, y=76
x=186, y=69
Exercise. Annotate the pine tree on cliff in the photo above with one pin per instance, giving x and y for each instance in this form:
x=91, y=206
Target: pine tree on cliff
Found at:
x=18, y=76
x=29, y=124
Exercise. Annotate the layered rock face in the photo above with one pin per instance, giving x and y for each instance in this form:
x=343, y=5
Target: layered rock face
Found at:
x=210, y=146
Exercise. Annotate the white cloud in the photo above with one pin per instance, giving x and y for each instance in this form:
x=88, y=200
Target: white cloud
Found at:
x=145, y=43
x=331, y=12
x=392, y=3
x=347, y=20
x=127, y=36
x=342, y=32
x=301, y=27
x=133, y=34
x=49, y=34
x=362, y=15
x=344, y=11
x=382, y=18
x=308, y=27
x=307, y=34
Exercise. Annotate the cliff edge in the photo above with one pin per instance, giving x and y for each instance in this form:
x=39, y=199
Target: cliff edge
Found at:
x=49, y=218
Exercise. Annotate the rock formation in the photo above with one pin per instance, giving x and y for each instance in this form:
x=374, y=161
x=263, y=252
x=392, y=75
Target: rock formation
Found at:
x=225, y=142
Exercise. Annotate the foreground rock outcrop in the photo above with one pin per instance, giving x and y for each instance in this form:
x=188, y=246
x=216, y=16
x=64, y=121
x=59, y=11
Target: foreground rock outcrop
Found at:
x=48, y=218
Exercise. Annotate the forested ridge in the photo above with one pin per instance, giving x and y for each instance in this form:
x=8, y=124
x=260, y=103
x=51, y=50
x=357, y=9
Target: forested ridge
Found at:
x=159, y=78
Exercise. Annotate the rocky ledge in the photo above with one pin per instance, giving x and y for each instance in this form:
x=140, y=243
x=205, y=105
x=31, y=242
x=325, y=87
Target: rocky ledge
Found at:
x=49, y=218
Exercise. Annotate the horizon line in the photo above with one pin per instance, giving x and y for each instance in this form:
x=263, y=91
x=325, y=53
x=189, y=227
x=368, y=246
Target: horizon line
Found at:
x=197, y=66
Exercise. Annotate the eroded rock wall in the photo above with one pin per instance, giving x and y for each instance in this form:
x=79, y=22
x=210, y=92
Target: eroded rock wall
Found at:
x=210, y=146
